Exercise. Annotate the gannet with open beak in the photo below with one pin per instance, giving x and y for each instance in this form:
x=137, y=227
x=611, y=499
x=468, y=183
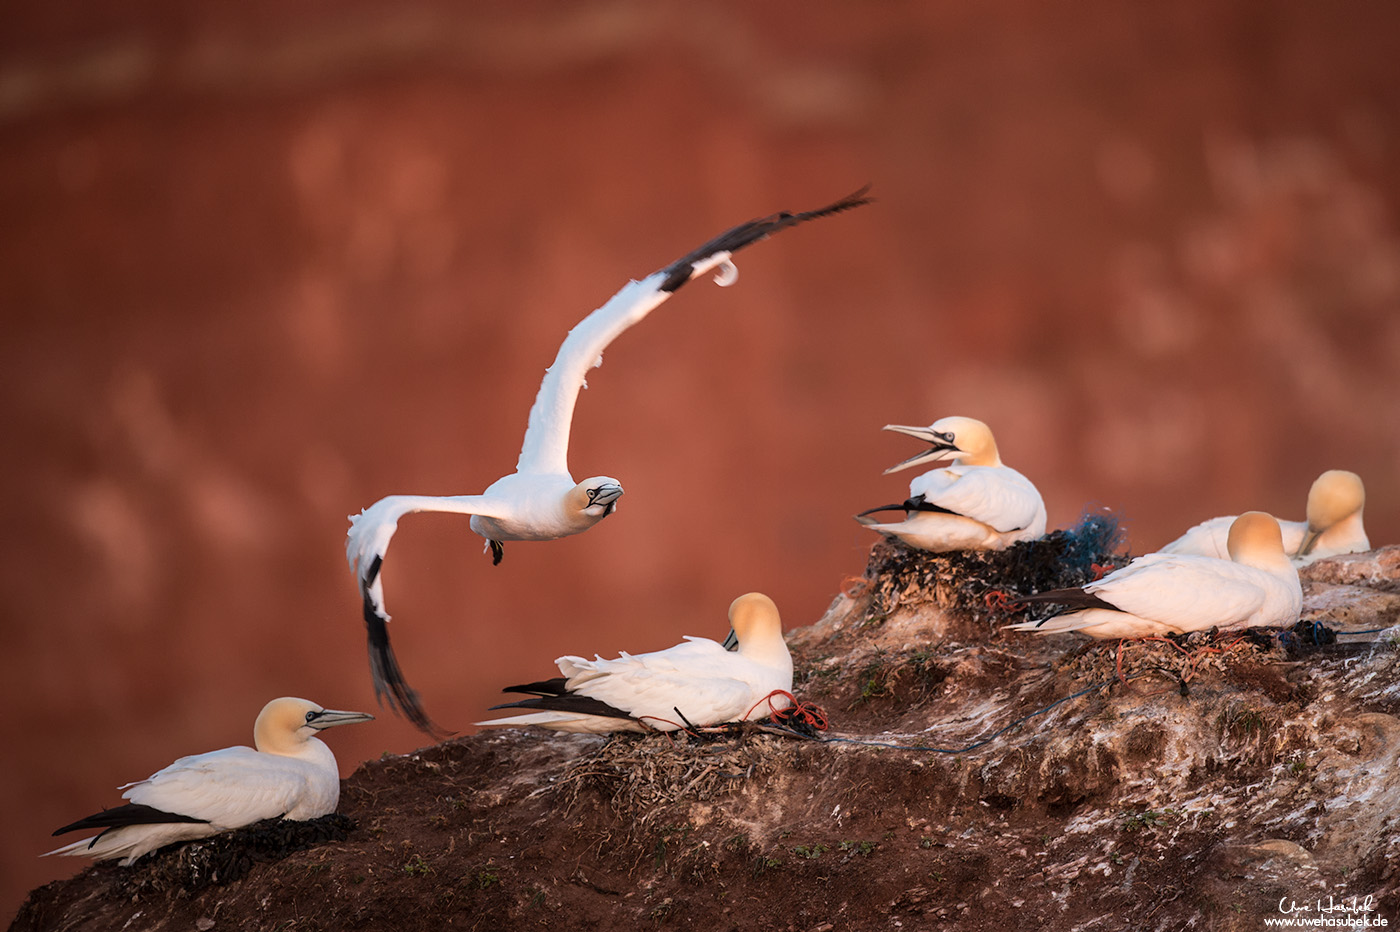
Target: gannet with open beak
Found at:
x=976, y=503
x=1333, y=524
x=696, y=683
x=291, y=775
x=1170, y=593
x=540, y=500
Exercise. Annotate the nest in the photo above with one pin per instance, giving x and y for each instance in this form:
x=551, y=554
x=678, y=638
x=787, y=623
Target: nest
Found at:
x=1185, y=657
x=222, y=859
x=639, y=774
x=978, y=585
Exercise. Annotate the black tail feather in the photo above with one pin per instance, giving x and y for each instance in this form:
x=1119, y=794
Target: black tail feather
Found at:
x=745, y=234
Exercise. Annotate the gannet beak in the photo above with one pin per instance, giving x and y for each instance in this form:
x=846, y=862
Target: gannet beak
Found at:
x=1310, y=537
x=942, y=448
x=731, y=641
x=329, y=718
x=605, y=496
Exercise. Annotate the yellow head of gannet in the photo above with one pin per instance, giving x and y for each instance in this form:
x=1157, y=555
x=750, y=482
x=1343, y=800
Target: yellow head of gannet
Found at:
x=291, y=775
x=596, y=497
x=697, y=682
x=288, y=726
x=1336, y=496
x=1255, y=539
x=964, y=440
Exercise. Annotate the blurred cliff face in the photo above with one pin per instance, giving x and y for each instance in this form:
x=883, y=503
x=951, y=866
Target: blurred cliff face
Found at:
x=263, y=266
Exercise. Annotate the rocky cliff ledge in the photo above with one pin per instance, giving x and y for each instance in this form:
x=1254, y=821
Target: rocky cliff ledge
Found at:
x=1218, y=782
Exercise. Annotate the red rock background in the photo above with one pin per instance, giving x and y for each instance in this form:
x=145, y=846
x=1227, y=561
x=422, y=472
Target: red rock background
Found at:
x=263, y=264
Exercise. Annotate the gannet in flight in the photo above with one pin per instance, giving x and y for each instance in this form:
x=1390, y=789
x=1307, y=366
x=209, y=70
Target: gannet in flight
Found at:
x=291, y=775
x=695, y=683
x=977, y=503
x=1170, y=593
x=540, y=500
x=1333, y=524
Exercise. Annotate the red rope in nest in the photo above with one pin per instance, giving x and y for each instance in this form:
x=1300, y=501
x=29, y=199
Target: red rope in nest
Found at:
x=800, y=716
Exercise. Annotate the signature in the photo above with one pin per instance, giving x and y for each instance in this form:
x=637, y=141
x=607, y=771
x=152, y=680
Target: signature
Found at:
x=1356, y=904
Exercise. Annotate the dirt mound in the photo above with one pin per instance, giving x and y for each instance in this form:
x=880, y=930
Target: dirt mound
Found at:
x=1221, y=781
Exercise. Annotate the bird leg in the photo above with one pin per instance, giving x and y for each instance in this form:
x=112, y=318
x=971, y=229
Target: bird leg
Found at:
x=498, y=551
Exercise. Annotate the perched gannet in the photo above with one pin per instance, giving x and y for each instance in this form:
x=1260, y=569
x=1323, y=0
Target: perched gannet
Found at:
x=1333, y=524
x=975, y=504
x=292, y=774
x=1170, y=593
x=696, y=683
x=540, y=500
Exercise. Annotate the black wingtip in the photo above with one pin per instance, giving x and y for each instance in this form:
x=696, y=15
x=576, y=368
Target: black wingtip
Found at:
x=390, y=687
x=745, y=234
x=1074, y=599
x=870, y=511
x=129, y=814
x=567, y=702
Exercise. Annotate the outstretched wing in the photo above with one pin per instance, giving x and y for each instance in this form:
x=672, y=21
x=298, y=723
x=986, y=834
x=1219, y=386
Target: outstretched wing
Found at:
x=365, y=546
x=546, y=445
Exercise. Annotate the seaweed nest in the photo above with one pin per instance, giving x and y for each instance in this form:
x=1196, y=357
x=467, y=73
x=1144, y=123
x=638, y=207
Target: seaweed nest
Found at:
x=979, y=585
x=638, y=774
x=212, y=862
x=1184, y=657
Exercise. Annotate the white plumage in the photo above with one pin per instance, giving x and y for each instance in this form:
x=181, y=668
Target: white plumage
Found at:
x=976, y=503
x=1333, y=525
x=694, y=683
x=1165, y=593
x=292, y=775
x=540, y=500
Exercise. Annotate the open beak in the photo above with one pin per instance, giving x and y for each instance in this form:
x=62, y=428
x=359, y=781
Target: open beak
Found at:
x=329, y=718
x=942, y=447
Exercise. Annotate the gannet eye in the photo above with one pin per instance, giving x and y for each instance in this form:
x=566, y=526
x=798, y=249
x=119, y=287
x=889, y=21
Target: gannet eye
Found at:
x=311, y=716
x=945, y=437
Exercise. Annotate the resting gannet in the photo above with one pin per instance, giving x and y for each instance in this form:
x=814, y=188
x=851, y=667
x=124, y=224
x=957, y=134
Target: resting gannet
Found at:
x=975, y=504
x=291, y=775
x=1171, y=593
x=1333, y=524
x=695, y=683
x=540, y=500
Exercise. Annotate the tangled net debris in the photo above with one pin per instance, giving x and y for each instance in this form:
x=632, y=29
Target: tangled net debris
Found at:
x=981, y=584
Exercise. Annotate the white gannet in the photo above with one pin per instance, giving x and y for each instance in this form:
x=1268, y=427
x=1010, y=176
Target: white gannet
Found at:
x=1333, y=524
x=292, y=774
x=695, y=683
x=540, y=500
x=977, y=503
x=1171, y=593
